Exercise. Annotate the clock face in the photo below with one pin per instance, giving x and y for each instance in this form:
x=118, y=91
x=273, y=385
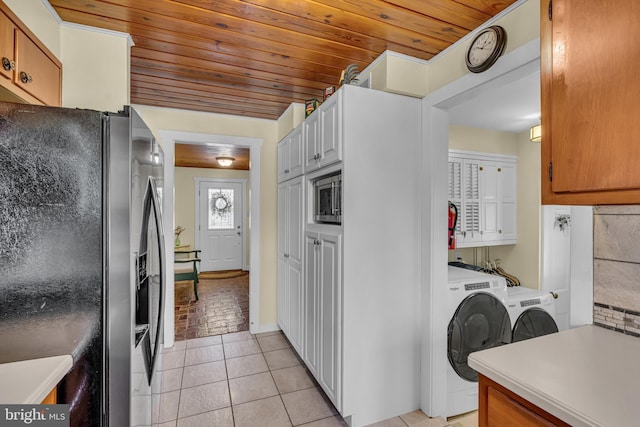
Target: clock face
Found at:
x=486, y=48
x=482, y=47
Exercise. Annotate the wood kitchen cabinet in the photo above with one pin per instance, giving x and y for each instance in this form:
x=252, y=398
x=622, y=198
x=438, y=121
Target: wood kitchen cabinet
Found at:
x=590, y=105
x=29, y=71
x=52, y=397
x=500, y=407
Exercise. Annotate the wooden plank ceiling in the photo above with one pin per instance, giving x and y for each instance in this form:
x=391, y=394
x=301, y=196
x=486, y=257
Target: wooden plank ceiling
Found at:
x=254, y=57
x=204, y=156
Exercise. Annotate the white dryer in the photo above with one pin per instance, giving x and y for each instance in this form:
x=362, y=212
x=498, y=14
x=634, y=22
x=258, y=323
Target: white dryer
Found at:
x=478, y=320
x=532, y=313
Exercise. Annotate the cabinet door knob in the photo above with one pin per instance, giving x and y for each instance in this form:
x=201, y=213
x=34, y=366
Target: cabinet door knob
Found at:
x=8, y=64
x=286, y=255
x=286, y=171
x=25, y=78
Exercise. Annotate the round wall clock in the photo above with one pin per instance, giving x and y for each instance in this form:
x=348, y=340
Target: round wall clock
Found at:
x=486, y=48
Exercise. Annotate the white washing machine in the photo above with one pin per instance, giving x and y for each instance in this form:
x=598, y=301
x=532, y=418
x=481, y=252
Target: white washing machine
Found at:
x=532, y=313
x=478, y=320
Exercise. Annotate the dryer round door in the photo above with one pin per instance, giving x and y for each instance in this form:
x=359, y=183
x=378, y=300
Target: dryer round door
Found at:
x=534, y=322
x=480, y=322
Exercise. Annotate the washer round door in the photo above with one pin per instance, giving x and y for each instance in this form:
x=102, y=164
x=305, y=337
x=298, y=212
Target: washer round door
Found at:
x=534, y=322
x=480, y=322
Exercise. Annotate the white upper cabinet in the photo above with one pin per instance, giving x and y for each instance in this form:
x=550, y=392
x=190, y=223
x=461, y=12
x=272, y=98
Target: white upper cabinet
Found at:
x=290, y=155
x=483, y=187
x=323, y=134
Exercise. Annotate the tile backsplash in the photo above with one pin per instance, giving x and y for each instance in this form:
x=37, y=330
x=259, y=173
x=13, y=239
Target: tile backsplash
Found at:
x=616, y=268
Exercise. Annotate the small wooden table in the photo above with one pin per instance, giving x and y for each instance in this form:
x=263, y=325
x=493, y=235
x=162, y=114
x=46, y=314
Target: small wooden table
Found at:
x=187, y=272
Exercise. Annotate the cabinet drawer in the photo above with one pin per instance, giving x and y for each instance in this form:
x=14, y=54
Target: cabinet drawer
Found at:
x=36, y=73
x=505, y=411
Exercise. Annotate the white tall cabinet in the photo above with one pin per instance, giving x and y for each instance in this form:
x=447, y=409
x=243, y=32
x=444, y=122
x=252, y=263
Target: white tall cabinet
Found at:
x=360, y=297
x=323, y=295
x=290, y=259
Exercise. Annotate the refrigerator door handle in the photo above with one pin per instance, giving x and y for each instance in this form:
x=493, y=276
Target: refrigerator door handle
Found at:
x=151, y=202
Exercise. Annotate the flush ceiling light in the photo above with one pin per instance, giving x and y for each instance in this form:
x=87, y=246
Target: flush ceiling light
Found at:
x=225, y=161
x=536, y=134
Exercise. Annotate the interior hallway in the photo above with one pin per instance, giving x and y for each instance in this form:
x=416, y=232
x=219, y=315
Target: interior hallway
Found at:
x=222, y=308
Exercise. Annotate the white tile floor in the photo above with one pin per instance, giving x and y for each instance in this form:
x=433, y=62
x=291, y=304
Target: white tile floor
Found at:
x=239, y=380
x=244, y=380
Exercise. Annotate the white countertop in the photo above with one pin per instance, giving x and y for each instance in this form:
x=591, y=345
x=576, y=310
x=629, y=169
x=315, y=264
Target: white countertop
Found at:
x=588, y=376
x=30, y=381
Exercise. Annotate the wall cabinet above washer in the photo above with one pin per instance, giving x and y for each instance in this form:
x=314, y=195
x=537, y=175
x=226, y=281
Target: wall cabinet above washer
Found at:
x=483, y=187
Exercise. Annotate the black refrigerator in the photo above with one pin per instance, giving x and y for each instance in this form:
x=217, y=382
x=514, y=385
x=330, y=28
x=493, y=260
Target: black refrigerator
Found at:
x=82, y=255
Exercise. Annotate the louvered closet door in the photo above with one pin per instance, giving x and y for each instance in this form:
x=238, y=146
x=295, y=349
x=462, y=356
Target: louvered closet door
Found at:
x=455, y=191
x=490, y=206
x=471, y=205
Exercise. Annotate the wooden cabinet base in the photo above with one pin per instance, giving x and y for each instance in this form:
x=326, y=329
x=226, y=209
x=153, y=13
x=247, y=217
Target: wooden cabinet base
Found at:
x=500, y=407
x=52, y=398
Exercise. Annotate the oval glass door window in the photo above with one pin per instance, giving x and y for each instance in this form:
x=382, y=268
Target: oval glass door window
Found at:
x=480, y=322
x=534, y=322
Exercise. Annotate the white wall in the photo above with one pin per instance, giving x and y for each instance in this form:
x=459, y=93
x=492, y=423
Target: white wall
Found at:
x=522, y=25
x=290, y=119
x=168, y=119
x=95, y=68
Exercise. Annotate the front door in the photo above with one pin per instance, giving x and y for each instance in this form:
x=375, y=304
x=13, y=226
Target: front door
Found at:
x=220, y=228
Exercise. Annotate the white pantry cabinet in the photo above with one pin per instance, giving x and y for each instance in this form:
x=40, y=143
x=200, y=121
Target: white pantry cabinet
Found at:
x=323, y=290
x=378, y=312
x=290, y=259
x=322, y=134
x=361, y=317
x=483, y=187
x=290, y=155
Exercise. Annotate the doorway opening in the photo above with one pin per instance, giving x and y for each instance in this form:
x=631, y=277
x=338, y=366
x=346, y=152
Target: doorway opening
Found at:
x=246, y=278
x=220, y=212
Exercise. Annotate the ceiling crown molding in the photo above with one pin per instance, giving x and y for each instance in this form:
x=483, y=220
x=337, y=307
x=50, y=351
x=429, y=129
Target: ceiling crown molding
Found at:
x=86, y=27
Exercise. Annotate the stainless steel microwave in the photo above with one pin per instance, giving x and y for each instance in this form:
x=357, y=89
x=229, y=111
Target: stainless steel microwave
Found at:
x=328, y=199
